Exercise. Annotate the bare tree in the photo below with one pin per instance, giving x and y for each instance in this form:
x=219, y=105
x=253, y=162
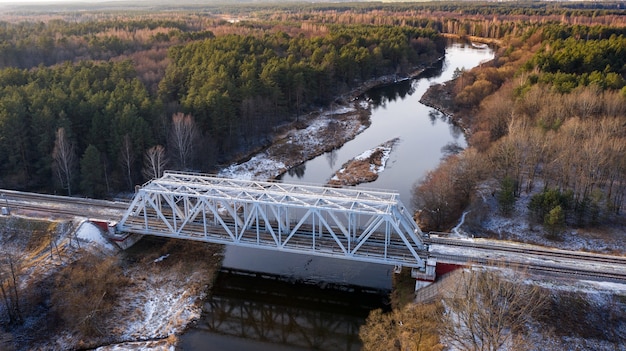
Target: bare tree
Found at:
x=489, y=312
x=85, y=292
x=444, y=192
x=9, y=269
x=64, y=160
x=183, y=137
x=127, y=158
x=506, y=159
x=154, y=162
x=414, y=327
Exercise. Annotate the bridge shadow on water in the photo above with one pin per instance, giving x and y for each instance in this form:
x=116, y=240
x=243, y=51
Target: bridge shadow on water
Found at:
x=260, y=311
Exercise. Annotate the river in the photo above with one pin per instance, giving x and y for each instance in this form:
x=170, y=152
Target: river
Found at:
x=269, y=318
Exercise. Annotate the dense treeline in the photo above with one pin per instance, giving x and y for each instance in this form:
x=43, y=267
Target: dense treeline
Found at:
x=97, y=105
x=238, y=88
x=572, y=62
x=486, y=20
x=548, y=119
x=488, y=8
x=228, y=84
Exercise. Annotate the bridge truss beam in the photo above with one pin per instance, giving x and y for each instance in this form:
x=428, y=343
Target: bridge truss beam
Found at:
x=370, y=226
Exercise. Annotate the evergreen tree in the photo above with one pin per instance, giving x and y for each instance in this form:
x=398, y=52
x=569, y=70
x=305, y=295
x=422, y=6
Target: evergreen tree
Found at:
x=92, y=182
x=506, y=196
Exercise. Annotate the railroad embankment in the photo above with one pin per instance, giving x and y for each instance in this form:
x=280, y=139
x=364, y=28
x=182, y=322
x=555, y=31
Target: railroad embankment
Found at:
x=72, y=289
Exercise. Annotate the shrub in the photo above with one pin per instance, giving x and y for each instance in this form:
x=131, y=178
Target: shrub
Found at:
x=85, y=291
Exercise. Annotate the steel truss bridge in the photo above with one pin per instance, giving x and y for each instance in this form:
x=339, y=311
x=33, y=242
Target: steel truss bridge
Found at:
x=349, y=223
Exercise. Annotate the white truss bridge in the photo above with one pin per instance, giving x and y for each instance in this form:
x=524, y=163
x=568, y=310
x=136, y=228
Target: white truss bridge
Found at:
x=349, y=223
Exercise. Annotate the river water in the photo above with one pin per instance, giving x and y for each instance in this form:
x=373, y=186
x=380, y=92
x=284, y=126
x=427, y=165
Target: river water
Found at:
x=269, y=312
x=397, y=112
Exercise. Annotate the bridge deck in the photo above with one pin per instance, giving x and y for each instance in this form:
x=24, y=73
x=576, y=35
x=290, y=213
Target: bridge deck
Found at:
x=355, y=224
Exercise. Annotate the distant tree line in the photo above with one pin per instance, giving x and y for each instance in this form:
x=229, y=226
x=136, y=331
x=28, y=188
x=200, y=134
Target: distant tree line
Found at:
x=30, y=44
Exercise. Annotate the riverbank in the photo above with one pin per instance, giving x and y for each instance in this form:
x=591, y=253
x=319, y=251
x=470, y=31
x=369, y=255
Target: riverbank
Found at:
x=152, y=291
x=316, y=133
x=473, y=39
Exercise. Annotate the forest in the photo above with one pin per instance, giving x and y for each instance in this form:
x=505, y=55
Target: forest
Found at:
x=95, y=106
x=95, y=101
x=547, y=118
x=83, y=112
x=88, y=106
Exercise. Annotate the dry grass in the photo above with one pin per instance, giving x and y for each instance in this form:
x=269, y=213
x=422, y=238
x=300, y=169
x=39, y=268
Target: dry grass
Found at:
x=354, y=172
x=362, y=170
x=86, y=298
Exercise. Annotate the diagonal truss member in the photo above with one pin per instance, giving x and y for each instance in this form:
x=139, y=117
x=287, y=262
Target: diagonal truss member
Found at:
x=370, y=226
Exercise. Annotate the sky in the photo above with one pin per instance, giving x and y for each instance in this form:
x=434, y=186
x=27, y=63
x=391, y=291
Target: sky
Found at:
x=19, y=2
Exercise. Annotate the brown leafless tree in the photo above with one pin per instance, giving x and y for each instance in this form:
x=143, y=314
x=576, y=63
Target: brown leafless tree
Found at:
x=85, y=292
x=9, y=271
x=488, y=311
x=154, y=162
x=414, y=327
x=505, y=156
x=443, y=193
x=64, y=160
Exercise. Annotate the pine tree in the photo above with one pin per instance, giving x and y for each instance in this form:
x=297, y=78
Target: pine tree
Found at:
x=92, y=173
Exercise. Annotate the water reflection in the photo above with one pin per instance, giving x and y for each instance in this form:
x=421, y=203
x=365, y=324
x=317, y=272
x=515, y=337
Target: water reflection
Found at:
x=380, y=96
x=332, y=158
x=297, y=171
x=450, y=149
x=292, y=314
x=424, y=133
x=434, y=116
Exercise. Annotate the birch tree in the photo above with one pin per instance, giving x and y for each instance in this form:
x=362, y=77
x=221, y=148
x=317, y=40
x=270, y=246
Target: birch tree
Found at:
x=183, y=136
x=154, y=162
x=64, y=160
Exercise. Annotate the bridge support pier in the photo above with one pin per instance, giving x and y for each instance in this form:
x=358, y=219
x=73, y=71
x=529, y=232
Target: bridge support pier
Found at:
x=426, y=277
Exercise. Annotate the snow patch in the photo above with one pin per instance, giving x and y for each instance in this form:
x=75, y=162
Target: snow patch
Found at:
x=161, y=258
x=339, y=111
x=89, y=232
x=258, y=167
x=299, y=145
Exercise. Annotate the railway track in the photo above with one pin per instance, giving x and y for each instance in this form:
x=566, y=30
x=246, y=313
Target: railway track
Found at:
x=539, y=260
x=536, y=259
x=62, y=205
x=528, y=250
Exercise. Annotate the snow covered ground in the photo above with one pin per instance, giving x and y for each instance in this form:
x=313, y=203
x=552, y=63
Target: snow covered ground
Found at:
x=163, y=294
x=606, y=297
x=162, y=305
x=323, y=132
